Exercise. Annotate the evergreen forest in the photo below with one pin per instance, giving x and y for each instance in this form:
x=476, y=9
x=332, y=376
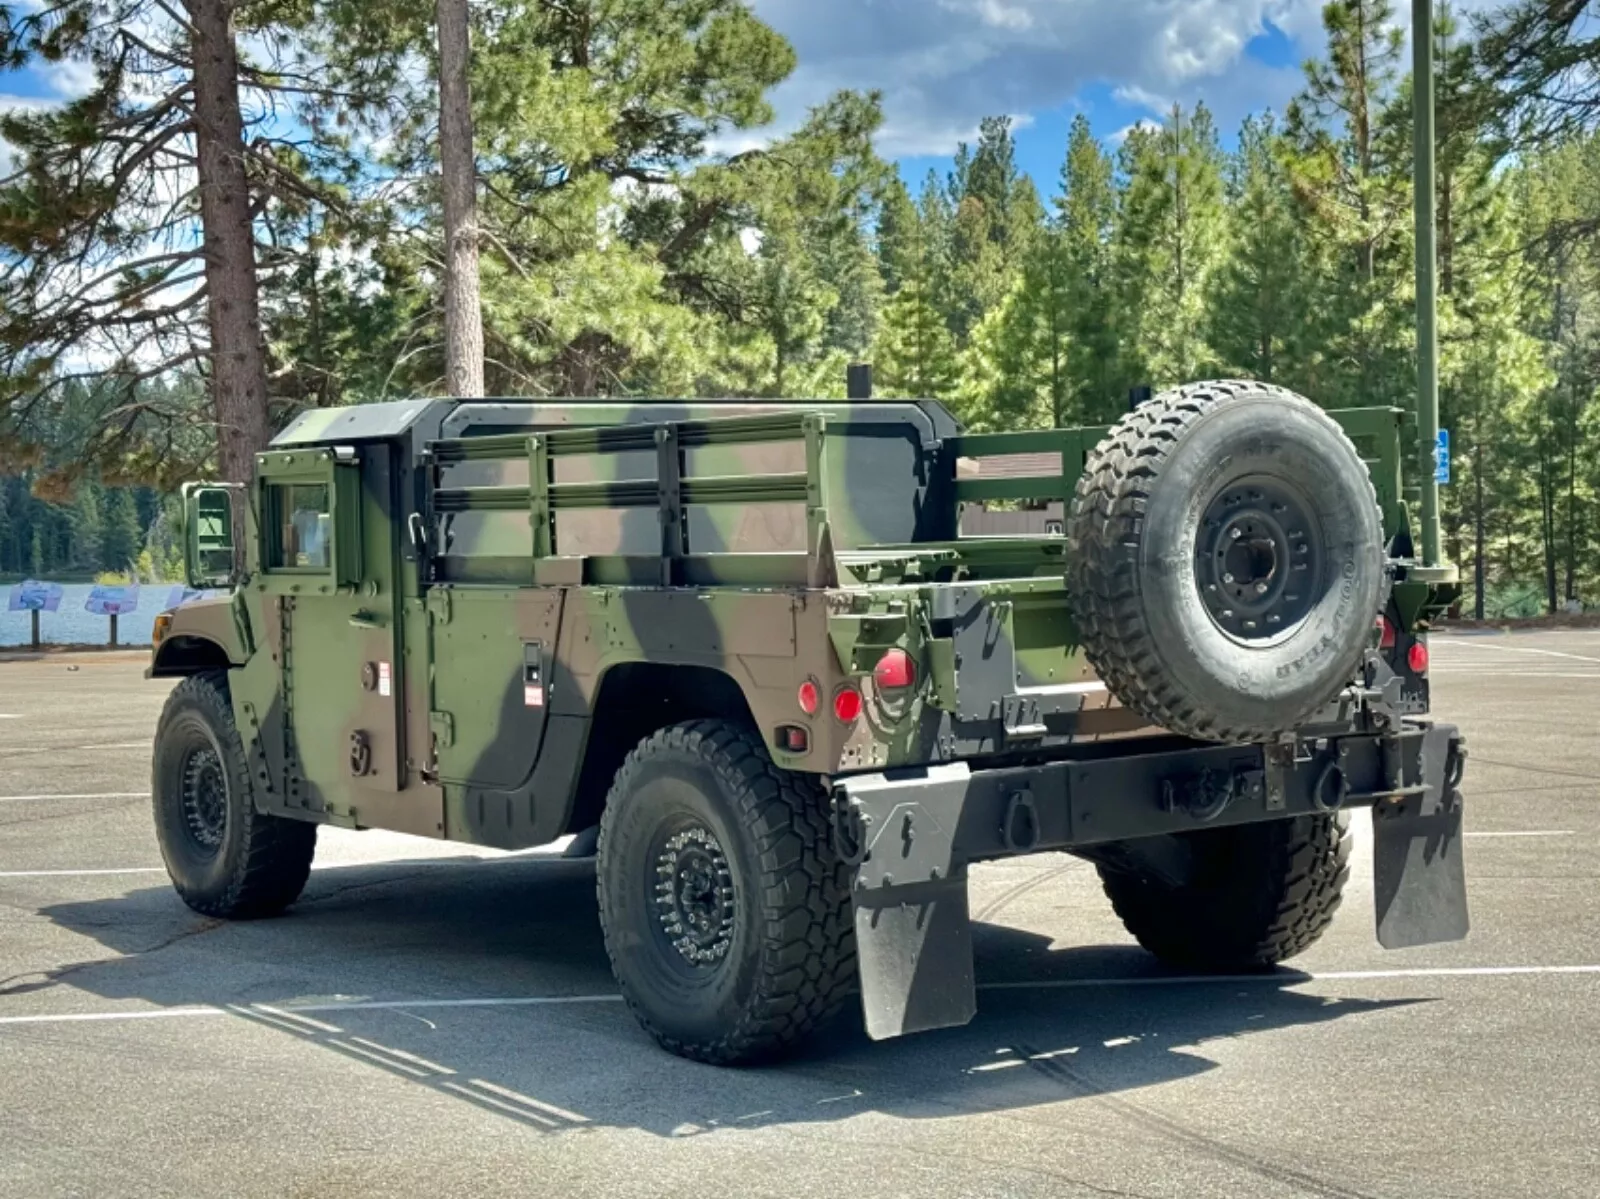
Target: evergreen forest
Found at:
x=246, y=214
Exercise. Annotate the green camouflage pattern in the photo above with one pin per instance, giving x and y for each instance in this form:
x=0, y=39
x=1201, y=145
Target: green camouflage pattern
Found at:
x=517, y=592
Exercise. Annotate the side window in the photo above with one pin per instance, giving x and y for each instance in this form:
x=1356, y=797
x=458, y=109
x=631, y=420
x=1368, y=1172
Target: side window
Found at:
x=301, y=528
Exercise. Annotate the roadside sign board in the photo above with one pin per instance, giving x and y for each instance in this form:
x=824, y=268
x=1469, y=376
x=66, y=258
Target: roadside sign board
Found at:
x=1441, y=458
x=30, y=595
x=109, y=600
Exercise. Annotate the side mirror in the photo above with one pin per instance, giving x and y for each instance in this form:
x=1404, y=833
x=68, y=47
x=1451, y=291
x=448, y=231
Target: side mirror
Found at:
x=208, y=549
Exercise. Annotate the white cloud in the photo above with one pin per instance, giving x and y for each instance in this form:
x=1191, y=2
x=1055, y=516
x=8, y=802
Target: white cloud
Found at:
x=1121, y=135
x=944, y=65
x=69, y=78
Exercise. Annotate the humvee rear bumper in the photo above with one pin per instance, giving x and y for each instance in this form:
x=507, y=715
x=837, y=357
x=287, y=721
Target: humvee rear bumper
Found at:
x=910, y=835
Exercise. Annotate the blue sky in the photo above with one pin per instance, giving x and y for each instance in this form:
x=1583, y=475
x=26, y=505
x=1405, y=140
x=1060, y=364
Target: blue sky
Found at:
x=944, y=64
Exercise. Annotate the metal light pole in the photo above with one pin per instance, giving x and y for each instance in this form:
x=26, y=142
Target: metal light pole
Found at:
x=1427, y=274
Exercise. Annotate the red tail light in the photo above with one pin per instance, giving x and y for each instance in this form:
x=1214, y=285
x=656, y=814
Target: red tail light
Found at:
x=895, y=670
x=847, y=705
x=809, y=698
x=1417, y=658
x=1386, y=634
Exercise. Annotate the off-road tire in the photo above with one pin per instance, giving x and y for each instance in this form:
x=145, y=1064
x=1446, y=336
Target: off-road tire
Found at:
x=790, y=959
x=259, y=863
x=1151, y=622
x=1260, y=894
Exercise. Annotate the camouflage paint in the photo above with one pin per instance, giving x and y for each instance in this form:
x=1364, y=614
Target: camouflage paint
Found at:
x=452, y=693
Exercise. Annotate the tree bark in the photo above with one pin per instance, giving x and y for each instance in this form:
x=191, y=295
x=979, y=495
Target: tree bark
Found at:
x=238, y=358
x=463, y=312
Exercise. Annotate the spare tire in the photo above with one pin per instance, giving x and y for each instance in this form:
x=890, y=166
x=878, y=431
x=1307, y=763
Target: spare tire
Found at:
x=1227, y=560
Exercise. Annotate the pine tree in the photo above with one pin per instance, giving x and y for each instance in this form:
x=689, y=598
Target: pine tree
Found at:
x=996, y=216
x=899, y=236
x=1028, y=343
x=121, y=535
x=88, y=527
x=916, y=356
x=1351, y=173
x=1258, y=301
x=1169, y=236
x=126, y=228
x=1086, y=212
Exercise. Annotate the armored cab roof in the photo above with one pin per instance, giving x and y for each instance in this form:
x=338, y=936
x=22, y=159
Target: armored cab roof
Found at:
x=359, y=422
x=370, y=422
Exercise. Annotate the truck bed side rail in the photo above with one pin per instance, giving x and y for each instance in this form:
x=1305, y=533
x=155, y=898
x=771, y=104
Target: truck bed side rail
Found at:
x=672, y=491
x=1043, y=465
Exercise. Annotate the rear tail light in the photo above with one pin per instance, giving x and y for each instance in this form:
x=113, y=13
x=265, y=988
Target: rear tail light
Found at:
x=1417, y=658
x=847, y=705
x=895, y=670
x=810, y=699
x=1386, y=633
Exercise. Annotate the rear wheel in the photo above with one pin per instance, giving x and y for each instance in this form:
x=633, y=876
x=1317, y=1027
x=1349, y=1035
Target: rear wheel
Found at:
x=1255, y=894
x=224, y=857
x=725, y=911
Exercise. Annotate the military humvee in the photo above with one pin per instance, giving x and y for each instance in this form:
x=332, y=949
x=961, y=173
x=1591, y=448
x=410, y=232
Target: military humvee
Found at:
x=749, y=644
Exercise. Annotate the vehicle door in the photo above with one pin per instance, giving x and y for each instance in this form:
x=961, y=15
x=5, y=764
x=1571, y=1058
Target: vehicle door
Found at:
x=329, y=527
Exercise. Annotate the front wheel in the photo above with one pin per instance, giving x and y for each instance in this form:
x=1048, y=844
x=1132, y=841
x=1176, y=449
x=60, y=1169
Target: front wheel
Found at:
x=1255, y=894
x=224, y=857
x=725, y=911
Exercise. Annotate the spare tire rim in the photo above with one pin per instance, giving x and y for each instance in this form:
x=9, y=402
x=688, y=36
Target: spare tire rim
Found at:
x=695, y=896
x=203, y=797
x=1259, y=561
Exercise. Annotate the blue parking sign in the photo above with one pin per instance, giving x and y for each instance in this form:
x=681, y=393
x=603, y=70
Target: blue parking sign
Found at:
x=1441, y=458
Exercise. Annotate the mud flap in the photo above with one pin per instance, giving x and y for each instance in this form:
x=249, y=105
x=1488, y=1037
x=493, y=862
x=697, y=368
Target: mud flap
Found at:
x=914, y=945
x=1419, y=880
x=913, y=932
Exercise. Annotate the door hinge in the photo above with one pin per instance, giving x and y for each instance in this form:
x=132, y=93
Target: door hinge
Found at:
x=444, y=729
x=439, y=605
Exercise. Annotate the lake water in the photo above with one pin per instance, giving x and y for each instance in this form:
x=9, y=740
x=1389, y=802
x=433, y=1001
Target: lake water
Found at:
x=71, y=624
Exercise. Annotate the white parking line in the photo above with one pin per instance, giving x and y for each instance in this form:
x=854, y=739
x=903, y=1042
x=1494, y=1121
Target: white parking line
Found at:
x=1471, y=668
x=71, y=873
x=1174, y=980
x=78, y=795
x=540, y=857
x=1510, y=649
x=1535, y=832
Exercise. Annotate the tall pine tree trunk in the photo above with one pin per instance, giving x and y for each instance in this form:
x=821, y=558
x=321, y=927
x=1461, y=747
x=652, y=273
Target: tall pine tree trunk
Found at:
x=238, y=359
x=463, y=312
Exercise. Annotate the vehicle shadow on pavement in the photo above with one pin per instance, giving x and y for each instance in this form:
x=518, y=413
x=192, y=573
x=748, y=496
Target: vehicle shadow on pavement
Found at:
x=519, y=930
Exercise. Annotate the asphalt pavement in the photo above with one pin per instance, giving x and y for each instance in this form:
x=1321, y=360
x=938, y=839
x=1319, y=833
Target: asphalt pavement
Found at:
x=440, y=1021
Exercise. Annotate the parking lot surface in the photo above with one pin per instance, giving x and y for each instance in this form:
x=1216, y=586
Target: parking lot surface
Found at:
x=437, y=1021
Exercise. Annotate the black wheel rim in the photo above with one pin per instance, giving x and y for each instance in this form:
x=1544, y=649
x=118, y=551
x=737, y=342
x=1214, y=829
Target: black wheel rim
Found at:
x=695, y=903
x=1259, y=560
x=203, y=798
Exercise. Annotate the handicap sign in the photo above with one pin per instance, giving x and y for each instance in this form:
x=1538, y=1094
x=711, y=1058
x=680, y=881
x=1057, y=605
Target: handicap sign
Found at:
x=108, y=600
x=30, y=595
x=1441, y=458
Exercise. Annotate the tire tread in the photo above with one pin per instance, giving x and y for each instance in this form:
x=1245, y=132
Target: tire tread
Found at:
x=1104, y=577
x=809, y=966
